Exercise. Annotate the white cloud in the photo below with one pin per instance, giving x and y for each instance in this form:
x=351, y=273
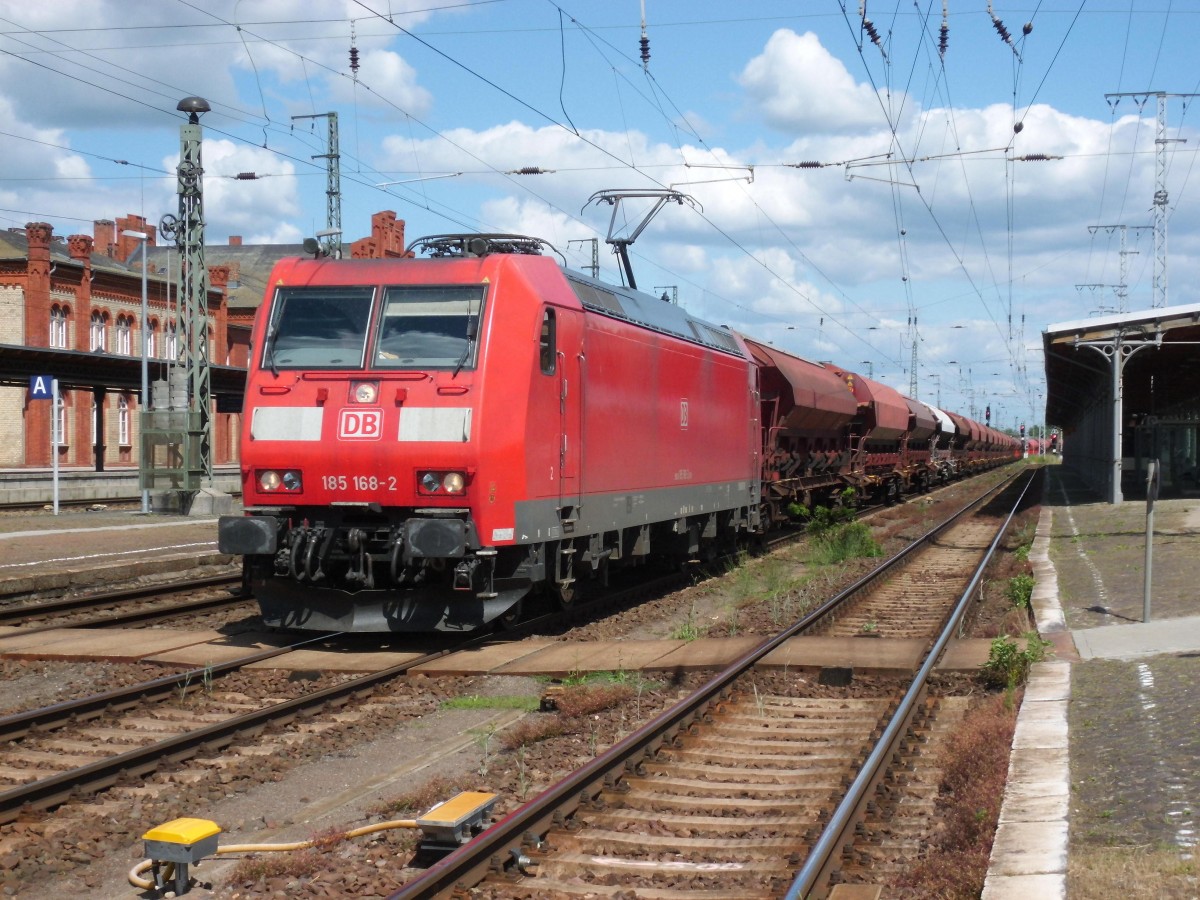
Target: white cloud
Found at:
x=799, y=86
x=394, y=85
x=262, y=210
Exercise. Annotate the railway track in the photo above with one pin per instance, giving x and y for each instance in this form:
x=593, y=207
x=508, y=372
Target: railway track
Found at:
x=153, y=603
x=55, y=754
x=739, y=791
x=59, y=753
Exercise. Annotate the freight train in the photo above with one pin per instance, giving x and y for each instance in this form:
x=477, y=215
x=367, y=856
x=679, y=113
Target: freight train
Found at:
x=430, y=440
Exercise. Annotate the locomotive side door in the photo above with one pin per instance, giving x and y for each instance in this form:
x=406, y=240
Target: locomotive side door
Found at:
x=571, y=375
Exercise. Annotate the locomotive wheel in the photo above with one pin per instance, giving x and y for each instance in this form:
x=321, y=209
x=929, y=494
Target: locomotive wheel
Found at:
x=511, y=618
x=565, y=595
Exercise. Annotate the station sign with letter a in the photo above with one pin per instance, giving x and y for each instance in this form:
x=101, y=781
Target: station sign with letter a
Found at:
x=360, y=425
x=41, y=387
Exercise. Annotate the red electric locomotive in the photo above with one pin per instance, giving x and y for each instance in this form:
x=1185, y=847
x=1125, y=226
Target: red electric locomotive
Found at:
x=428, y=440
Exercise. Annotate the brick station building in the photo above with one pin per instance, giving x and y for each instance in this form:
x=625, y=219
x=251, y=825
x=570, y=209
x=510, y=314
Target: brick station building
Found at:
x=71, y=308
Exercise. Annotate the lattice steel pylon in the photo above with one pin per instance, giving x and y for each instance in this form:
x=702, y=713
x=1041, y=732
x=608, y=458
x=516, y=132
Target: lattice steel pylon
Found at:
x=1160, y=184
x=913, y=380
x=193, y=287
x=1122, y=288
x=332, y=235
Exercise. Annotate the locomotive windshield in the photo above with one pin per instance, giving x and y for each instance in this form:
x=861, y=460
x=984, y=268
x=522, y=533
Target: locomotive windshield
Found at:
x=429, y=326
x=319, y=327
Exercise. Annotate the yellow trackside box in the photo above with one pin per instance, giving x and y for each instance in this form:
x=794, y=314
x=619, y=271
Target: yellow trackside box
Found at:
x=459, y=818
x=182, y=840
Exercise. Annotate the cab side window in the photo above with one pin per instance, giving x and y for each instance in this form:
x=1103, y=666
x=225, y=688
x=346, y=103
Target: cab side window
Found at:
x=547, y=343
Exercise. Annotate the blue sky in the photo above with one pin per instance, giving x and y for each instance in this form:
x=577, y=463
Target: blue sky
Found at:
x=923, y=208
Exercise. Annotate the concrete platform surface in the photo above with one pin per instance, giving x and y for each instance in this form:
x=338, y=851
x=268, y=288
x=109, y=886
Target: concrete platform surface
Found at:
x=54, y=553
x=1137, y=639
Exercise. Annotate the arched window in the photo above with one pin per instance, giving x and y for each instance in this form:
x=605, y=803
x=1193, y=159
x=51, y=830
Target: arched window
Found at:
x=58, y=326
x=152, y=339
x=172, y=347
x=99, y=338
x=125, y=335
x=123, y=421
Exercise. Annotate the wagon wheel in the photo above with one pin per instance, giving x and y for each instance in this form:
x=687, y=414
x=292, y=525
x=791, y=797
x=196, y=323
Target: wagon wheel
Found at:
x=565, y=591
x=891, y=492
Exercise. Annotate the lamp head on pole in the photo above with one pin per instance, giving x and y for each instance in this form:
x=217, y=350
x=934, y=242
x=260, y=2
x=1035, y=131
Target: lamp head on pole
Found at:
x=193, y=106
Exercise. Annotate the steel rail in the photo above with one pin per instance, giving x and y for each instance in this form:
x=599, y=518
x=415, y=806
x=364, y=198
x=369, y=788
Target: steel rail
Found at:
x=10, y=614
x=501, y=845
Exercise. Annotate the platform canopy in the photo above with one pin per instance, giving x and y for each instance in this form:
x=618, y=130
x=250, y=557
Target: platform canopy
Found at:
x=76, y=370
x=1121, y=381
x=1155, y=378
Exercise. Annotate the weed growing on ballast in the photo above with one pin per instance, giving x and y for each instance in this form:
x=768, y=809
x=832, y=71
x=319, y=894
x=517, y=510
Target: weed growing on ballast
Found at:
x=1008, y=664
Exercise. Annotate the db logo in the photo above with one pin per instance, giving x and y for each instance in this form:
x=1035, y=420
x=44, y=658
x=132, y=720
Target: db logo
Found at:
x=360, y=425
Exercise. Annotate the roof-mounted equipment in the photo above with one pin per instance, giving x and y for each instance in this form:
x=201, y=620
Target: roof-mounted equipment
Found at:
x=466, y=246
x=620, y=245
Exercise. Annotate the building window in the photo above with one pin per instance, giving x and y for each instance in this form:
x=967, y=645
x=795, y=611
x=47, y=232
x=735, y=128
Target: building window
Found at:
x=99, y=339
x=58, y=326
x=59, y=425
x=172, y=345
x=124, y=336
x=123, y=421
x=151, y=339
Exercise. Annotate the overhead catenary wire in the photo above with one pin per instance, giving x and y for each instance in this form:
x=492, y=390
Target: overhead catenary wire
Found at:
x=642, y=167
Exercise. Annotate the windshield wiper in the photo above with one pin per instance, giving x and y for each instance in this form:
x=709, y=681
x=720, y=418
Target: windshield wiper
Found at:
x=269, y=349
x=472, y=330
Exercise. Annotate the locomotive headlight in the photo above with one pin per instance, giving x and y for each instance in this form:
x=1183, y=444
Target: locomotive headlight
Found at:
x=364, y=391
x=273, y=480
x=441, y=482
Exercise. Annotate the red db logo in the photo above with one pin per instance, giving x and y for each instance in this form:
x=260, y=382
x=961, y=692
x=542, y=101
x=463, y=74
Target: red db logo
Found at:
x=360, y=425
